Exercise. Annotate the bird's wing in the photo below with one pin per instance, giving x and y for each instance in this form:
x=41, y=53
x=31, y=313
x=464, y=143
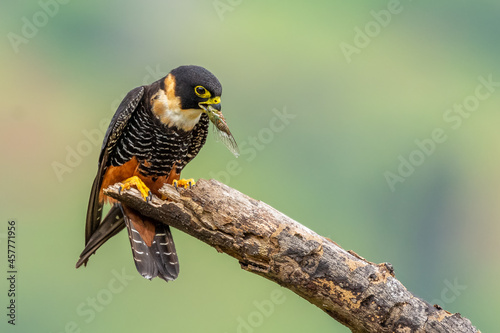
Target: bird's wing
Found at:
x=112, y=224
x=122, y=115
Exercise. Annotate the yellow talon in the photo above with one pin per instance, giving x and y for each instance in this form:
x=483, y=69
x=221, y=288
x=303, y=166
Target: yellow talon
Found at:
x=139, y=184
x=184, y=183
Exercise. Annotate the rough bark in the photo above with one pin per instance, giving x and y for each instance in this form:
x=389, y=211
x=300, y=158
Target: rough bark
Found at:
x=363, y=296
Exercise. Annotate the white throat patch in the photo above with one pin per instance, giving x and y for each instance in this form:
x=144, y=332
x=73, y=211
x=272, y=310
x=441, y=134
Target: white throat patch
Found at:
x=169, y=112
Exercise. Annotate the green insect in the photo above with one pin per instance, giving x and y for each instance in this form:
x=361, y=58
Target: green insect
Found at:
x=222, y=130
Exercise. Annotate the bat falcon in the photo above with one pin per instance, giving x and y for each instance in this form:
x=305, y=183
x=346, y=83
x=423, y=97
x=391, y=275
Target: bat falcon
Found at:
x=156, y=130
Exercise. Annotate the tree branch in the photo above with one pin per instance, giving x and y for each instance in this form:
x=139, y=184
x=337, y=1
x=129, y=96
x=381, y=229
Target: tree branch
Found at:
x=363, y=296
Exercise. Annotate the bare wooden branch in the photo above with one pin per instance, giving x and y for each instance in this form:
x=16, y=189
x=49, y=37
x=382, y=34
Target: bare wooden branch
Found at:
x=364, y=296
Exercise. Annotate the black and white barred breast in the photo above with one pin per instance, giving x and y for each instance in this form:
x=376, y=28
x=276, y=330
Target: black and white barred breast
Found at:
x=156, y=146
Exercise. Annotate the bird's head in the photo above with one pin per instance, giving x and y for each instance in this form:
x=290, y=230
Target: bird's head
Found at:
x=195, y=86
x=187, y=92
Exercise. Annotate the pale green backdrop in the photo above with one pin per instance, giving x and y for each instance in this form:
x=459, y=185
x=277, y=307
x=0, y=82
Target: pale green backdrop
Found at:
x=328, y=100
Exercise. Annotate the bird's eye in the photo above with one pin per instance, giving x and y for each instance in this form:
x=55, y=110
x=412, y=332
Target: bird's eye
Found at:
x=201, y=92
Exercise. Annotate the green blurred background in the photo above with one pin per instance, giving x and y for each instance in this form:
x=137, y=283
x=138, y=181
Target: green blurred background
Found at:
x=355, y=118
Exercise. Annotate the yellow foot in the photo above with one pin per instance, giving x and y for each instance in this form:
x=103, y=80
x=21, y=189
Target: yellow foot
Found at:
x=184, y=183
x=137, y=182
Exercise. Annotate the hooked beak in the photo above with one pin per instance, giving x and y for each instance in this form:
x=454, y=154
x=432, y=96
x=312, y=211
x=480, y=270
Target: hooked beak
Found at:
x=211, y=105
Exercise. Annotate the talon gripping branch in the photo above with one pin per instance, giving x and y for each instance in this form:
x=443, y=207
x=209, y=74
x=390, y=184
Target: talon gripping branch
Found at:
x=155, y=132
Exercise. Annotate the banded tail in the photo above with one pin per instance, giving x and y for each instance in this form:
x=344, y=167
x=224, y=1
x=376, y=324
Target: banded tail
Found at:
x=152, y=245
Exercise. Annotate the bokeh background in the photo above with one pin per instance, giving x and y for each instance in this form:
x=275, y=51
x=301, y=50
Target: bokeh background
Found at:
x=352, y=117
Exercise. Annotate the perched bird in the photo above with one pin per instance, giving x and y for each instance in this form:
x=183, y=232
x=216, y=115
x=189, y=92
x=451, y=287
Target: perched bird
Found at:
x=156, y=130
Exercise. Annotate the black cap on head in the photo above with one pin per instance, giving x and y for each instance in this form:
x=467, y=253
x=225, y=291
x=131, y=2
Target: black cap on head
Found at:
x=189, y=77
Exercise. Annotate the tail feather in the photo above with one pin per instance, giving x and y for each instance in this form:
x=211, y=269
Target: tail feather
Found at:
x=112, y=224
x=164, y=253
x=153, y=247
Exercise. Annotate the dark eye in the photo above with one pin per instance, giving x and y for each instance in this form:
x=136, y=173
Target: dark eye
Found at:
x=201, y=91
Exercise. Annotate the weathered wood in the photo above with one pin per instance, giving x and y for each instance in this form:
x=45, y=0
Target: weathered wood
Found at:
x=364, y=296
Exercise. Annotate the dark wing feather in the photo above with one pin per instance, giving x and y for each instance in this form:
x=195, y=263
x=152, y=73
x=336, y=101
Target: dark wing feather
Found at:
x=121, y=118
x=115, y=130
x=94, y=209
x=112, y=224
